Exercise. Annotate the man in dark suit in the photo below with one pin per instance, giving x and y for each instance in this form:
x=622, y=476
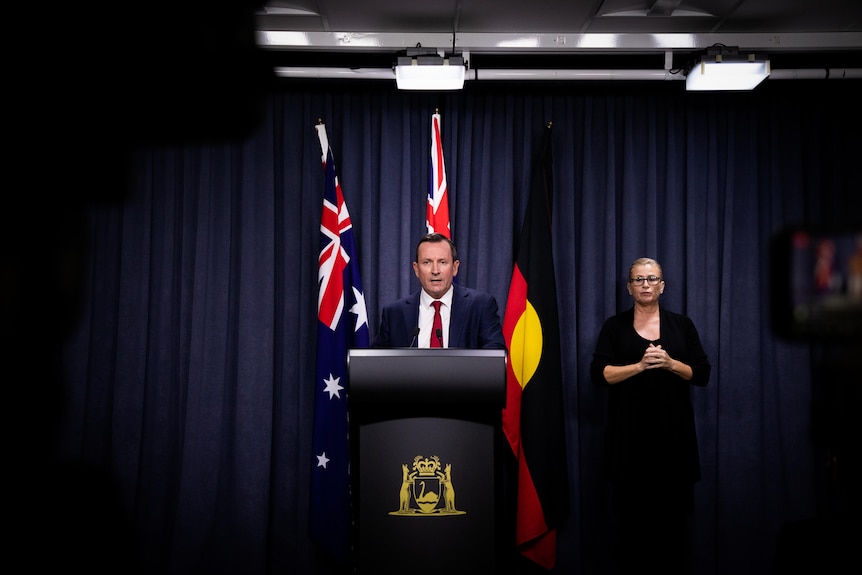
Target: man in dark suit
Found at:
x=470, y=318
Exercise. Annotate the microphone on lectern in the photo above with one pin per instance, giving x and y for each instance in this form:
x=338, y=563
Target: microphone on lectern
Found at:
x=440, y=336
x=415, y=335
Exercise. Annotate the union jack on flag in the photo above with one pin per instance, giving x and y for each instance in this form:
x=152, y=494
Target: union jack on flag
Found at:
x=437, y=212
x=339, y=291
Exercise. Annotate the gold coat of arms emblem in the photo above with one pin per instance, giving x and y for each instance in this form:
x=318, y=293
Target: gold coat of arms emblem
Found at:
x=426, y=489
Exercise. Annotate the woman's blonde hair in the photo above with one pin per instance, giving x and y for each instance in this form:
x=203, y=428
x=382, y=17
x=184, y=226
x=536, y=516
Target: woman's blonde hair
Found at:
x=643, y=262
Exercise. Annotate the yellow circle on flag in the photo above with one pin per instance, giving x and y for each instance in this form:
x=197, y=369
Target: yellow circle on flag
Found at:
x=526, y=347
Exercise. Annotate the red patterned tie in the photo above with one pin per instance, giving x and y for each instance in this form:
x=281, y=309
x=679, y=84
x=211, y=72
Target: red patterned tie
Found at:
x=437, y=328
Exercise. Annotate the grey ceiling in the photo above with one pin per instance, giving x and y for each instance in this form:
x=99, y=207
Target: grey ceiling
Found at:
x=569, y=16
x=328, y=31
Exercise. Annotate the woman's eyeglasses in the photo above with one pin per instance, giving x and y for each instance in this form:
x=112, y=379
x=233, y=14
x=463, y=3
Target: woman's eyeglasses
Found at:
x=639, y=281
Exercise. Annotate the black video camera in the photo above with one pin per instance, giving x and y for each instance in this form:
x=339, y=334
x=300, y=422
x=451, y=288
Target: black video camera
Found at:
x=816, y=279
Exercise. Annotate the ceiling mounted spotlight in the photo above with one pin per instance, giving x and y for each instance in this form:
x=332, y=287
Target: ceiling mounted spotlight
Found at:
x=426, y=69
x=724, y=68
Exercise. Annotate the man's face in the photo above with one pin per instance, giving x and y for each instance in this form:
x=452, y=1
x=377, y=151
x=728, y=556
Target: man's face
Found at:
x=435, y=268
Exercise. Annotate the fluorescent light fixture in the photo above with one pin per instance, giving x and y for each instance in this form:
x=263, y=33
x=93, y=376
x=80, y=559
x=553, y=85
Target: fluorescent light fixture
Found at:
x=430, y=72
x=519, y=42
x=726, y=73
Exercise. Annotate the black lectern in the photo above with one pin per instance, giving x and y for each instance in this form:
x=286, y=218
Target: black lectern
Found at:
x=425, y=427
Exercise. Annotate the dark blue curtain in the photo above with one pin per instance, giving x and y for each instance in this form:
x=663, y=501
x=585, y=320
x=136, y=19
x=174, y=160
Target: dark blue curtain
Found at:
x=188, y=372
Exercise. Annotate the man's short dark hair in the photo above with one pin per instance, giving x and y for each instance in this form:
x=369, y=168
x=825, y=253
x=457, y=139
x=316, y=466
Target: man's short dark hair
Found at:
x=436, y=238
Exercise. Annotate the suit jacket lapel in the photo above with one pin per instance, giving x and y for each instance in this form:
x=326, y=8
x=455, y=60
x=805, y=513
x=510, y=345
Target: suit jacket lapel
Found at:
x=411, y=313
x=456, y=317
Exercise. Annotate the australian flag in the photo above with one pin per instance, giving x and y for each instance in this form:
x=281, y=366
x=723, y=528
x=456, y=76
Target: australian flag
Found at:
x=342, y=324
x=437, y=209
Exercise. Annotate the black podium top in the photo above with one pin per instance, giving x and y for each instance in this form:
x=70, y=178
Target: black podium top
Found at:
x=427, y=375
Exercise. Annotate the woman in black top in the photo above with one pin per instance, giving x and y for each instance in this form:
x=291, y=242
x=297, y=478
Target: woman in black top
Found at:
x=648, y=358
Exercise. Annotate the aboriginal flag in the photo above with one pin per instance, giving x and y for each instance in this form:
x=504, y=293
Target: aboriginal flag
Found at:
x=533, y=416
